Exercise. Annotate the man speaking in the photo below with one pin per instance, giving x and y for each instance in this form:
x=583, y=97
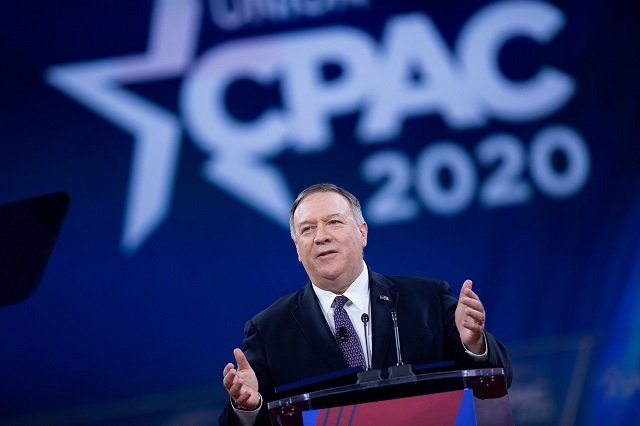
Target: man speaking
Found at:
x=318, y=329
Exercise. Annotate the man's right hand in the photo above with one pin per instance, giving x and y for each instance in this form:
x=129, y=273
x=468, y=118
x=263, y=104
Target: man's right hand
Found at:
x=241, y=382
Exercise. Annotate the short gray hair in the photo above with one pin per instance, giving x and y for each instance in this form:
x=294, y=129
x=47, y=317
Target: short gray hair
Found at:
x=356, y=208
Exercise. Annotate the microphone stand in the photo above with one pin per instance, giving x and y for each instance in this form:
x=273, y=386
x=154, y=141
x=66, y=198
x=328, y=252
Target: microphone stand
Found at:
x=401, y=369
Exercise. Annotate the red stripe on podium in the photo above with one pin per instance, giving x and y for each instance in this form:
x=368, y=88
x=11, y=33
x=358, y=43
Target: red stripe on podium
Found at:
x=439, y=409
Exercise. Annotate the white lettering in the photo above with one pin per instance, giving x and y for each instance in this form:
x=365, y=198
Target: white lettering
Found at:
x=445, y=178
x=568, y=143
x=479, y=45
x=232, y=15
x=445, y=198
x=416, y=76
x=203, y=94
x=413, y=74
x=311, y=99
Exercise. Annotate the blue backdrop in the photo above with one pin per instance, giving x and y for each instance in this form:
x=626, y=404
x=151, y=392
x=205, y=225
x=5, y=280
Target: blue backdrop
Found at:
x=496, y=141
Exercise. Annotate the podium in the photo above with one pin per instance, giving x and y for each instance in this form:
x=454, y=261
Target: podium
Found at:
x=455, y=398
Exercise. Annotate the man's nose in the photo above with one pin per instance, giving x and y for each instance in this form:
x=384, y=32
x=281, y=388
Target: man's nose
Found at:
x=322, y=236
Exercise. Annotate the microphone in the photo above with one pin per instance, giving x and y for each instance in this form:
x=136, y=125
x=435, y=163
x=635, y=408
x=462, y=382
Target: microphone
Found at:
x=400, y=369
x=341, y=334
x=365, y=322
x=368, y=374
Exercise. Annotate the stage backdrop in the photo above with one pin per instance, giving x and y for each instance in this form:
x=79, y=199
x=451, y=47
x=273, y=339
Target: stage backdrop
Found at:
x=496, y=141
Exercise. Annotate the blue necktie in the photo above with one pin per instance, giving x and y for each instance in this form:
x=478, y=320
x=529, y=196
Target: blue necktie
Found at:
x=346, y=334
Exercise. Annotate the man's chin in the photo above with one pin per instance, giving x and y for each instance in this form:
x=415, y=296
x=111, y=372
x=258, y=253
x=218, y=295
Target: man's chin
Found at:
x=327, y=280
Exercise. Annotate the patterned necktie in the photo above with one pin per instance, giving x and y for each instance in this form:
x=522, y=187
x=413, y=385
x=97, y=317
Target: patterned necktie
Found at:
x=346, y=334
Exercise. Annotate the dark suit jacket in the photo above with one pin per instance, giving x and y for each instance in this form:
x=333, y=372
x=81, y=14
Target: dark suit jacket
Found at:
x=291, y=340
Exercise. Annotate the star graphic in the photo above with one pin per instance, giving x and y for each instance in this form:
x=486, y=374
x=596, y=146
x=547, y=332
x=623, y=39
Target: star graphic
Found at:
x=99, y=85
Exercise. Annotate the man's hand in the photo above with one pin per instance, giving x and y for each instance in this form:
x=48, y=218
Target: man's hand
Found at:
x=470, y=319
x=241, y=383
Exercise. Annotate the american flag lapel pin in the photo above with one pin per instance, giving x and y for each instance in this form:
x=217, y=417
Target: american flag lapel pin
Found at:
x=385, y=298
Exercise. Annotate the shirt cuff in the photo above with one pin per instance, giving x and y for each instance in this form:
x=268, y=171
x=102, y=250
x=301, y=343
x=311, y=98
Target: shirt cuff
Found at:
x=481, y=357
x=246, y=417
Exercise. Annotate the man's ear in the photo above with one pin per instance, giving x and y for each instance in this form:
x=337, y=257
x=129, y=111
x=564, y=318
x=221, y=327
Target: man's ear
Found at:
x=364, y=231
x=295, y=243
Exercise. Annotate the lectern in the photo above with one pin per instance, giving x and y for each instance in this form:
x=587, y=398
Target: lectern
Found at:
x=454, y=398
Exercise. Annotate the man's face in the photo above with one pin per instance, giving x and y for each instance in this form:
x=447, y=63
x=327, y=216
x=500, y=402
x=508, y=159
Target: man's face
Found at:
x=329, y=240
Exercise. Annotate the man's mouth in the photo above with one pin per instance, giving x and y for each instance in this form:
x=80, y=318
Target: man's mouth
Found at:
x=326, y=253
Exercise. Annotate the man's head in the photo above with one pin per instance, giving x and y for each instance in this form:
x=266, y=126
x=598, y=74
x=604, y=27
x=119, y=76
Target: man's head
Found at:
x=330, y=234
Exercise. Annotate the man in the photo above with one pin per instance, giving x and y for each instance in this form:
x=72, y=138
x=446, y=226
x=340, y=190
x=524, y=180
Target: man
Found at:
x=306, y=334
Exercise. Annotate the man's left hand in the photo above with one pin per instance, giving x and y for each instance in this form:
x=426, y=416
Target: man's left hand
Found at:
x=470, y=319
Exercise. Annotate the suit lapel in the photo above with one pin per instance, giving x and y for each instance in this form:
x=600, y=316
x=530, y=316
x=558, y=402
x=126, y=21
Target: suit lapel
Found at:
x=310, y=319
x=384, y=296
